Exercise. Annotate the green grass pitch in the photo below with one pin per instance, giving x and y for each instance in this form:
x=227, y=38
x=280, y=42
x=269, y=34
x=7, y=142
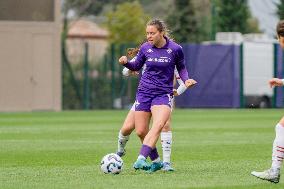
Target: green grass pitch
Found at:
x=214, y=148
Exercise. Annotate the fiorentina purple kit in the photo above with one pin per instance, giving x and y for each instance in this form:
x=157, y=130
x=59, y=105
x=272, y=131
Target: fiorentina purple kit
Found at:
x=156, y=84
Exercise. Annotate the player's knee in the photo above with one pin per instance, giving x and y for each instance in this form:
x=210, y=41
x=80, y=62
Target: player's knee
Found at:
x=141, y=133
x=159, y=125
x=126, y=130
x=166, y=127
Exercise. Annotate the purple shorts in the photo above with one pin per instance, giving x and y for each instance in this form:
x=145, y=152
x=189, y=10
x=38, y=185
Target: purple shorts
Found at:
x=145, y=102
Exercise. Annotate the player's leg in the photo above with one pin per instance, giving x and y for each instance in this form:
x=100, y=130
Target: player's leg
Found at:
x=124, y=133
x=166, y=142
x=273, y=174
x=159, y=106
x=161, y=114
x=142, y=119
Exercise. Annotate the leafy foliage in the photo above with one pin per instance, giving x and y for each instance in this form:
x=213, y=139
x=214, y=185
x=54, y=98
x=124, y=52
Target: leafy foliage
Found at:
x=88, y=7
x=127, y=23
x=182, y=21
x=280, y=9
x=234, y=16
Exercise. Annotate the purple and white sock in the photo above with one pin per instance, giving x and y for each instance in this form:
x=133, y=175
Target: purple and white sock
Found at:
x=144, y=152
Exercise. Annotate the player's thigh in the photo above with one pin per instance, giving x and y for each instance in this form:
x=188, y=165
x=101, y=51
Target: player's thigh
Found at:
x=142, y=120
x=160, y=114
x=282, y=121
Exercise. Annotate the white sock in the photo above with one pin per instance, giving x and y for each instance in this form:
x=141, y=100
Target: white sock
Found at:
x=166, y=140
x=278, y=147
x=157, y=160
x=141, y=157
x=121, y=143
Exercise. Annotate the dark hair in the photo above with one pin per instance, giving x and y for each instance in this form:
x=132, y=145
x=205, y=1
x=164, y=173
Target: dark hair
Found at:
x=280, y=28
x=160, y=25
x=132, y=52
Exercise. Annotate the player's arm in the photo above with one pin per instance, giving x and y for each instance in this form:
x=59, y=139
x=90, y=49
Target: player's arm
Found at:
x=181, y=87
x=180, y=65
x=127, y=72
x=276, y=82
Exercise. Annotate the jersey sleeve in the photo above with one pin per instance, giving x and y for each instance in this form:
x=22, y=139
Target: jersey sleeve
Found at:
x=180, y=65
x=137, y=62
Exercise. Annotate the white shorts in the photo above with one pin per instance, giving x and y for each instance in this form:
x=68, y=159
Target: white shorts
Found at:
x=133, y=107
x=172, y=104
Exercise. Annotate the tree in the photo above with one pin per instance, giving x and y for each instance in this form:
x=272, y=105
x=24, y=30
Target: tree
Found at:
x=182, y=21
x=234, y=16
x=127, y=23
x=280, y=9
x=88, y=7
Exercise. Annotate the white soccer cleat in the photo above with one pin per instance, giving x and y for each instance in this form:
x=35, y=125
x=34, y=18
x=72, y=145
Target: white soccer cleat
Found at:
x=167, y=167
x=269, y=175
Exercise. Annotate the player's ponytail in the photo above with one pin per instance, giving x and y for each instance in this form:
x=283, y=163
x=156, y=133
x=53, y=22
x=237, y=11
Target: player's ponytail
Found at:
x=132, y=52
x=280, y=28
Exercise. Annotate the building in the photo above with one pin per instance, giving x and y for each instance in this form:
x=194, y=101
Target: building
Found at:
x=83, y=31
x=30, y=61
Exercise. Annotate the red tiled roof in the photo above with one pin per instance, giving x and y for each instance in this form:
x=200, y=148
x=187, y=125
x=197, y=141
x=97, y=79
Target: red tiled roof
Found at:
x=86, y=29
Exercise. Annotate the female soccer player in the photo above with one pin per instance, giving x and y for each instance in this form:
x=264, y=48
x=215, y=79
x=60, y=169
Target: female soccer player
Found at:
x=273, y=174
x=166, y=134
x=155, y=90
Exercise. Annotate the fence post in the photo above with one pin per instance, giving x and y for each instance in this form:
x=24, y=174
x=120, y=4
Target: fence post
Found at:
x=86, y=95
x=213, y=20
x=112, y=62
x=241, y=77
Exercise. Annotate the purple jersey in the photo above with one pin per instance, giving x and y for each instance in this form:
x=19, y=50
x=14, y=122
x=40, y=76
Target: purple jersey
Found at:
x=159, y=63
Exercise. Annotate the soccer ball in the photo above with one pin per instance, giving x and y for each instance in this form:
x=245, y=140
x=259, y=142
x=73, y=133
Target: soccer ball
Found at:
x=111, y=163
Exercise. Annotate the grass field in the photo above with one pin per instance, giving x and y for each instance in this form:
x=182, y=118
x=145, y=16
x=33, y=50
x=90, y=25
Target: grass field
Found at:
x=211, y=149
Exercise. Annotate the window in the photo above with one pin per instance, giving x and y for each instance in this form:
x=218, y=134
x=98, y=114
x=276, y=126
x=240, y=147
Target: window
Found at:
x=27, y=10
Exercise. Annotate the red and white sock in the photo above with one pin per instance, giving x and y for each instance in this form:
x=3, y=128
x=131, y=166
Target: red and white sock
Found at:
x=278, y=147
x=166, y=140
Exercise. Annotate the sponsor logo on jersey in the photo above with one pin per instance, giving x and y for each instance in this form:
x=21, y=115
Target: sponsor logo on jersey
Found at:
x=160, y=59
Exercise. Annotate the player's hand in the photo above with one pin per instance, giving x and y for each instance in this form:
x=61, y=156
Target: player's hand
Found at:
x=275, y=82
x=122, y=60
x=134, y=73
x=175, y=92
x=190, y=82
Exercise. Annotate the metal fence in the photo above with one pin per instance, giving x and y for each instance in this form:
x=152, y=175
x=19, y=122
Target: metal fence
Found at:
x=217, y=68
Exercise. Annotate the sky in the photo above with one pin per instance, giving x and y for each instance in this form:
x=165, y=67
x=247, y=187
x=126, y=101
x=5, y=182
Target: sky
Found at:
x=264, y=11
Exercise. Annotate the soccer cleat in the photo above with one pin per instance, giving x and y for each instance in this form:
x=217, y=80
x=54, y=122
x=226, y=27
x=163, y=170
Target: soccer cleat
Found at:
x=167, y=167
x=121, y=153
x=141, y=164
x=155, y=166
x=269, y=175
